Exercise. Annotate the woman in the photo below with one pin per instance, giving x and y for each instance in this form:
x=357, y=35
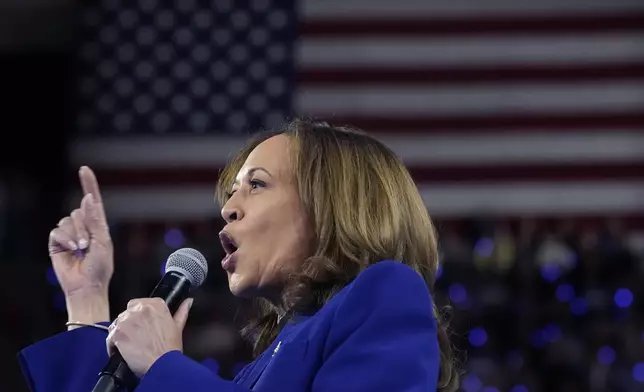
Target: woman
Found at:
x=325, y=227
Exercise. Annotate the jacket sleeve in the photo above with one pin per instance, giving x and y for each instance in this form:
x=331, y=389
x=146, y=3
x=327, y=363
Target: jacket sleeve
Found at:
x=67, y=362
x=71, y=361
x=383, y=336
x=176, y=372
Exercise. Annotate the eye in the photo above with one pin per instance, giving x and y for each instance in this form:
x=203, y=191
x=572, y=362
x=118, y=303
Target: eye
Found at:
x=254, y=184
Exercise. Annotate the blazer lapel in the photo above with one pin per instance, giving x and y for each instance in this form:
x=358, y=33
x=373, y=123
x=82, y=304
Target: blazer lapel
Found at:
x=250, y=378
x=241, y=376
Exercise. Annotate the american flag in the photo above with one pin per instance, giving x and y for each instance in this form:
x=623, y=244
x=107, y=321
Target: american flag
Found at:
x=505, y=108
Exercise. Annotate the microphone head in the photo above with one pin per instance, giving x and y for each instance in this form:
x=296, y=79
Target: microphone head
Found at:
x=189, y=263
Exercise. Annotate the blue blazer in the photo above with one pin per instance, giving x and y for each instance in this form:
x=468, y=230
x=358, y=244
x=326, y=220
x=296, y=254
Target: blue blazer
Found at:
x=377, y=334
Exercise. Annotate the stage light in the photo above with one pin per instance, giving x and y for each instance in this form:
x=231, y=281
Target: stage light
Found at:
x=538, y=339
x=623, y=298
x=565, y=292
x=579, y=306
x=163, y=268
x=478, y=337
x=552, y=332
x=457, y=293
x=550, y=272
x=484, y=248
x=439, y=271
x=606, y=355
x=174, y=238
x=519, y=388
x=638, y=372
x=472, y=383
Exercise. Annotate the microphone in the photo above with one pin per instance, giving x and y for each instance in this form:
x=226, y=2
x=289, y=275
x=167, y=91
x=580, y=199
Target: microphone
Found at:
x=186, y=269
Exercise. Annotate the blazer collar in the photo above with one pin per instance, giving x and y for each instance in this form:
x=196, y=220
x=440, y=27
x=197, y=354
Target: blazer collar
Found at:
x=251, y=373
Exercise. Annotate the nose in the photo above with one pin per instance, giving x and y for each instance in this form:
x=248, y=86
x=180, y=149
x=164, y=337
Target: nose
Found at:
x=231, y=213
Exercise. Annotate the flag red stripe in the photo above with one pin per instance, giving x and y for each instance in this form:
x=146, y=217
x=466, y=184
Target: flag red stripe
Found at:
x=506, y=25
x=141, y=177
x=555, y=122
x=412, y=76
x=577, y=223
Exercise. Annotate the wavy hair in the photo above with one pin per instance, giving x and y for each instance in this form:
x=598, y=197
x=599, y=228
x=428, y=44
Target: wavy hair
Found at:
x=363, y=207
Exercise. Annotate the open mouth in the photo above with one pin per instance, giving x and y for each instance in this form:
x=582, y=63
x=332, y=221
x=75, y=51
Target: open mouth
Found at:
x=227, y=242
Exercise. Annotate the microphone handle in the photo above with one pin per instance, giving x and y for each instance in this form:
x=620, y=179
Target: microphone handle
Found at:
x=174, y=288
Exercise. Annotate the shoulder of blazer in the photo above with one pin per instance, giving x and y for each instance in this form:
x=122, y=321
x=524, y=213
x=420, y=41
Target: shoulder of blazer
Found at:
x=384, y=285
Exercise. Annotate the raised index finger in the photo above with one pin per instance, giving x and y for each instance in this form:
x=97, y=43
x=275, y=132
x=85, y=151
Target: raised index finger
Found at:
x=90, y=184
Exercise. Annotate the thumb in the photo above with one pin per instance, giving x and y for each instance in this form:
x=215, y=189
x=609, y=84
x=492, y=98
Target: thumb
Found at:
x=181, y=316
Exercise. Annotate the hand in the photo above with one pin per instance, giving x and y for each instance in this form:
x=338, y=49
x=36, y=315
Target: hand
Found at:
x=81, y=253
x=146, y=331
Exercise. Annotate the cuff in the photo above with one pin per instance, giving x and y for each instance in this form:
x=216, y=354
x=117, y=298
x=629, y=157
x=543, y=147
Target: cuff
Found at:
x=176, y=372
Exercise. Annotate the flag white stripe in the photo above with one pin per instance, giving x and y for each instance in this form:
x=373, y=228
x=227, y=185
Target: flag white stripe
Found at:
x=489, y=99
x=378, y=8
x=584, y=198
x=432, y=149
x=469, y=51
x=575, y=198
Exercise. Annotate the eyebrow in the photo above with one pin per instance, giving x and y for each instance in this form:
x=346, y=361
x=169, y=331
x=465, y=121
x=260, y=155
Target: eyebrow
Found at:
x=252, y=171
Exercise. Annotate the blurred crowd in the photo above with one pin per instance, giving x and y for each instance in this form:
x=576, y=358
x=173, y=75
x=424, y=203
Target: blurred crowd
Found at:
x=545, y=307
x=533, y=305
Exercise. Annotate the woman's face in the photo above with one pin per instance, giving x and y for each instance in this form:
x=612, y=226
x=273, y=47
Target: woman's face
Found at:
x=267, y=234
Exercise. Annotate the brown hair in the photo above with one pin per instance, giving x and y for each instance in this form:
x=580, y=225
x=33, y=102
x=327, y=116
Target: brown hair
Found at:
x=364, y=207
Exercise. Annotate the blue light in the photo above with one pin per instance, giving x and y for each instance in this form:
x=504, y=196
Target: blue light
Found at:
x=478, y=337
x=490, y=389
x=163, y=268
x=484, y=248
x=538, y=339
x=471, y=383
x=606, y=355
x=638, y=372
x=51, y=277
x=579, y=306
x=550, y=272
x=565, y=292
x=519, y=388
x=552, y=332
x=211, y=364
x=59, y=302
x=457, y=293
x=174, y=238
x=623, y=298
x=439, y=272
